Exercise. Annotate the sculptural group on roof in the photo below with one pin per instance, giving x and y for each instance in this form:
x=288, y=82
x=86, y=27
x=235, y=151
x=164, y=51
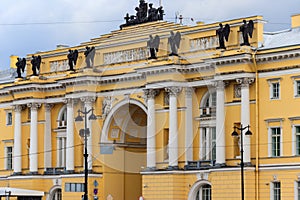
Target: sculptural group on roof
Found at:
x=144, y=13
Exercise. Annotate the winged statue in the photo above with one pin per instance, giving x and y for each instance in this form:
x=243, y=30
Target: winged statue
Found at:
x=247, y=31
x=223, y=34
x=153, y=45
x=174, y=42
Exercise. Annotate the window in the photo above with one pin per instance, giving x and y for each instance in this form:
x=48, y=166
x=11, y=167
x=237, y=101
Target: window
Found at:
x=204, y=193
x=297, y=88
x=275, y=140
x=9, y=118
x=74, y=187
x=166, y=144
x=208, y=143
x=208, y=104
x=297, y=193
x=297, y=135
x=275, y=90
x=276, y=191
x=9, y=151
x=61, y=151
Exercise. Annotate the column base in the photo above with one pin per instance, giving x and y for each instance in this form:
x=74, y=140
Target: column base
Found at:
x=70, y=171
x=247, y=164
x=170, y=168
x=33, y=173
x=149, y=169
x=17, y=173
x=220, y=165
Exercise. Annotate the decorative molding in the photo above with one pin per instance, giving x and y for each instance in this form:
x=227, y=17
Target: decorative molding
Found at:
x=150, y=93
x=173, y=91
x=34, y=106
x=18, y=108
x=48, y=106
x=245, y=82
x=189, y=91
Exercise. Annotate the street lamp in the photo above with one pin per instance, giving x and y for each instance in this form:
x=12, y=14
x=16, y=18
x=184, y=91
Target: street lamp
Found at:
x=85, y=133
x=235, y=134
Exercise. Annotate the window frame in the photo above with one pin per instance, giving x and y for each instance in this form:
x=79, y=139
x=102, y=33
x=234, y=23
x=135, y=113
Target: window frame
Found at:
x=274, y=189
x=270, y=135
x=272, y=83
x=208, y=143
x=9, y=158
x=9, y=118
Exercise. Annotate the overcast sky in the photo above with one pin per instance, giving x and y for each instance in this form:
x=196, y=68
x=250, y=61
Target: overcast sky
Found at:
x=28, y=26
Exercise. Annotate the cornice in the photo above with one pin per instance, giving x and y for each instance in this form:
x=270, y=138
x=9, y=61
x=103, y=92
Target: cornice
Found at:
x=278, y=56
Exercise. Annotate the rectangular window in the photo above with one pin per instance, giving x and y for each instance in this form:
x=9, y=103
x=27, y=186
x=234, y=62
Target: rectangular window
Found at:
x=297, y=92
x=208, y=143
x=74, y=187
x=9, y=118
x=276, y=190
x=275, y=135
x=297, y=135
x=275, y=90
x=9, y=151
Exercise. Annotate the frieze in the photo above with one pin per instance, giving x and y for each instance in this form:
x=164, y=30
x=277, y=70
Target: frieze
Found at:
x=125, y=56
x=60, y=65
x=204, y=43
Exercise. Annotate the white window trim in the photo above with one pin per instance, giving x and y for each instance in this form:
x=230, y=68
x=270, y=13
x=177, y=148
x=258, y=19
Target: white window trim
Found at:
x=296, y=95
x=271, y=82
x=270, y=141
x=294, y=140
x=6, y=158
x=6, y=117
x=272, y=189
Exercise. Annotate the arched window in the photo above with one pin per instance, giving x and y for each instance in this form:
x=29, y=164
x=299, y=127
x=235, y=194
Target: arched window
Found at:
x=208, y=127
x=61, y=138
x=208, y=104
x=204, y=193
x=55, y=193
x=201, y=190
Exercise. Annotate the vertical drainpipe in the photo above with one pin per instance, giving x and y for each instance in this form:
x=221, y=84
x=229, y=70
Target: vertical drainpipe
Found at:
x=257, y=125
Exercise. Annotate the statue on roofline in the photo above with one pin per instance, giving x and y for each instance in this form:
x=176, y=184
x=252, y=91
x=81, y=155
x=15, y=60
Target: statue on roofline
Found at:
x=72, y=58
x=223, y=33
x=174, y=42
x=143, y=14
x=89, y=56
x=36, y=64
x=247, y=31
x=21, y=64
x=153, y=45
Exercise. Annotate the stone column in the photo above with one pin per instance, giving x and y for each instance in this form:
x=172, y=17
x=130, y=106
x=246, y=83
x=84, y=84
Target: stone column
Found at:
x=189, y=124
x=33, y=151
x=151, y=128
x=70, y=135
x=47, y=137
x=18, y=140
x=173, y=127
x=245, y=116
x=220, y=128
x=88, y=103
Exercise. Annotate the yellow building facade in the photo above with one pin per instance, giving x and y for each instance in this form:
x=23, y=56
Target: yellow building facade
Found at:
x=164, y=125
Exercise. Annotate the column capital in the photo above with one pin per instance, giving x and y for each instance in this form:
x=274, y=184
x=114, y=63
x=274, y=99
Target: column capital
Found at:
x=189, y=91
x=48, y=106
x=70, y=101
x=150, y=93
x=34, y=106
x=88, y=99
x=220, y=85
x=245, y=82
x=173, y=91
x=18, y=108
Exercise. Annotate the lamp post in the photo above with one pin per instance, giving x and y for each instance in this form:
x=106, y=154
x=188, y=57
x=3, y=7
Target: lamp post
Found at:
x=235, y=134
x=85, y=133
